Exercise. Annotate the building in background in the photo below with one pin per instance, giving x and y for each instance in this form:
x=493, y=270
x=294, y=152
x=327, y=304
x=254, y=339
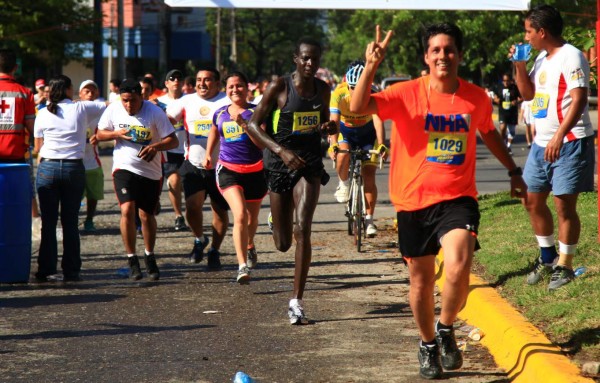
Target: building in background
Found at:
x=156, y=38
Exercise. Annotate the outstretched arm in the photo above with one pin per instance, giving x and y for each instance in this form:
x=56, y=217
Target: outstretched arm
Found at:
x=361, y=98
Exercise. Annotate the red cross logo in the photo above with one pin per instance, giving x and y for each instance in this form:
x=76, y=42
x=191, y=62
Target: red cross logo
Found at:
x=3, y=106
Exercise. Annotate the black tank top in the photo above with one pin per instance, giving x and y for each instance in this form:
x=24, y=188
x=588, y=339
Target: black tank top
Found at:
x=293, y=126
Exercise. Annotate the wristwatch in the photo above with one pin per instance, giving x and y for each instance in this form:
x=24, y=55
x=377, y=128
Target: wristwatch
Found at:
x=515, y=172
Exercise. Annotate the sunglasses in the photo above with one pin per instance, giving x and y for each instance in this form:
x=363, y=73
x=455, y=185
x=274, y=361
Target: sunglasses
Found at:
x=174, y=78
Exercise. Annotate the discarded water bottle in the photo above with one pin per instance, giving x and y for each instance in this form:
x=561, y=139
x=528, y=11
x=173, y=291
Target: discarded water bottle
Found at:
x=123, y=272
x=241, y=377
x=580, y=270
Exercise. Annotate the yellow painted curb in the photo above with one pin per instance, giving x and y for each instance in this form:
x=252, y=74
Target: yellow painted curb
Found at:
x=517, y=346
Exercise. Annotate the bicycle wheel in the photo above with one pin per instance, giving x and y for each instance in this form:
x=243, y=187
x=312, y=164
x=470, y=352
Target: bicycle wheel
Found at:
x=349, y=207
x=358, y=215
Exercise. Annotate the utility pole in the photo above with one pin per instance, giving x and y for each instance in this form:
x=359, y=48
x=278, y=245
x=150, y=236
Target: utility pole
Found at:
x=120, y=40
x=233, y=56
x=98, y=59
x=218, y=45
x=164, y=38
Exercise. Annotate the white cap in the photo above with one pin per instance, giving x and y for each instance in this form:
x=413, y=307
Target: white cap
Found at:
x=86, y=83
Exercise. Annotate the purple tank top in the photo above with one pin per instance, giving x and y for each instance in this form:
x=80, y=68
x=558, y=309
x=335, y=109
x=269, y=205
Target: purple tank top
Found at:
x=236, y=145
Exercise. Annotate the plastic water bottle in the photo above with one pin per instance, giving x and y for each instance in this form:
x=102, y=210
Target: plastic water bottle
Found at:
x=241, y=377
x=580, y=270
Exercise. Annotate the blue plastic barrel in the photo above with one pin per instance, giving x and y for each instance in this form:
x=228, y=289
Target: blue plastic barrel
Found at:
x=15, y=223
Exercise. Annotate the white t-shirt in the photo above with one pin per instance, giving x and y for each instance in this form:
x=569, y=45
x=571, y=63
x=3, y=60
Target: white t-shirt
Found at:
x=150, y=125
x=553, y=79
x=64, y=133
x=197, y=114
x=112, y=97
x=91, y=158
x=526, y=108
x=163, y=102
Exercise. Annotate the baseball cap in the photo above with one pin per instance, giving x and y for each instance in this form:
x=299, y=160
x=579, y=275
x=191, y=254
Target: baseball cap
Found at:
x=86, y=83
x=174, y=73
x=40, y=83
x=130, y=86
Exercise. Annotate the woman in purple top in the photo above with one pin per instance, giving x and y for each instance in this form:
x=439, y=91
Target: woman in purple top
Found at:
x=240, y=175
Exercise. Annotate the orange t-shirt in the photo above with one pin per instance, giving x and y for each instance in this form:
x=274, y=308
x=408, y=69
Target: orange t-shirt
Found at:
x=433, y=141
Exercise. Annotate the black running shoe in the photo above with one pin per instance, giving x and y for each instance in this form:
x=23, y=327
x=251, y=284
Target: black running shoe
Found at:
x=214, y=259
x=430, y=363
x=151, y=267
x=135, y=272
x=451, y=355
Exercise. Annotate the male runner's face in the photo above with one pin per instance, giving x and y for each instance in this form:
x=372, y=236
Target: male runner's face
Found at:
x=88, y=93
x=307, y=60
x=132, y=102
x=443, y=56
x=174, y=83
x=206, y=85
x=533, y=36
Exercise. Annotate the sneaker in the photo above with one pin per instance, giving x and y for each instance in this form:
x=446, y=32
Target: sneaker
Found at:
x=341, y=193
x=451, y=356
x=296, y=314
x=180, y=223
x=135, y=272
x=430, y=362
x=214, y=261
x=252, y=257
x=560, y=277
x=72, y=278
x=138, y=229
x=371, y=230
x=88, y=225
x=243, y=276
x=540, y=271
x=270, y=222
x=151, y=267
x=197, y=253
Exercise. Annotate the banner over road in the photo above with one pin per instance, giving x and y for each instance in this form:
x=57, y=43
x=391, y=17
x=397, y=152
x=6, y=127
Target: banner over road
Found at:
x=478, y=5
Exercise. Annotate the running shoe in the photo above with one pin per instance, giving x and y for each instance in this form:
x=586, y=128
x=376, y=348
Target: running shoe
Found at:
x=371, y=230
x=451, y=356
x=214, y=261
x=197, y=253
x=296, y=314
x=135, y=272
x=151, y=267
x=539, y=272
x=560, y=277
x=252, y=257
x=341, y=193
x=430, y=362
x=88, y=225
x=180, y=223
x=243, y=276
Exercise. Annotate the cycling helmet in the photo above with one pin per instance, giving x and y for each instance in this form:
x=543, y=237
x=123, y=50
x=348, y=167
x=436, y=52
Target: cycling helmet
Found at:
x=355, y=69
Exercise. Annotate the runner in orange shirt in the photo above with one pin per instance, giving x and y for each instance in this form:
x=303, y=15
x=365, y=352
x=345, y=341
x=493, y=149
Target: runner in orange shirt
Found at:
x=432, y=179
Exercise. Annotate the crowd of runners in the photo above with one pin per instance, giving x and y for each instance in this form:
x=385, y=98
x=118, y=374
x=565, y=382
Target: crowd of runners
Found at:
x=235, y=149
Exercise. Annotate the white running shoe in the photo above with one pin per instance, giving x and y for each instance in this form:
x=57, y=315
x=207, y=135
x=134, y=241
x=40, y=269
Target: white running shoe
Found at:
x=341, y=193
x=371, y=230
x=296, y=313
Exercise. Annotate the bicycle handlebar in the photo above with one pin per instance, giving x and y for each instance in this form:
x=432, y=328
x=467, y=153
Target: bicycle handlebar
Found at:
x=360, y=152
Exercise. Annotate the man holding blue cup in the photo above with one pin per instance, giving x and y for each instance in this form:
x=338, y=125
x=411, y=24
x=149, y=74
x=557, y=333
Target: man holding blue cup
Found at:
x=561, y=159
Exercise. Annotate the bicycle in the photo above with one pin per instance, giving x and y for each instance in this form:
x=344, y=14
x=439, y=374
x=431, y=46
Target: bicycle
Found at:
x=355, y=207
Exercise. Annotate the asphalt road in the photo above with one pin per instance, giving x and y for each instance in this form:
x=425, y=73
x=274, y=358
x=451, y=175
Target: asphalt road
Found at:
x=199, y=326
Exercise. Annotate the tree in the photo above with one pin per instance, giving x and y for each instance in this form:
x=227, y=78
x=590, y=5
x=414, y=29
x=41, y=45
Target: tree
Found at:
x=266, y=38
x=46, y=34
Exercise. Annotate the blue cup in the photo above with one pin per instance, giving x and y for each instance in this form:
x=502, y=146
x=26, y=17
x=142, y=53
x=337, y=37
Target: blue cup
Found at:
x=522, y=52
